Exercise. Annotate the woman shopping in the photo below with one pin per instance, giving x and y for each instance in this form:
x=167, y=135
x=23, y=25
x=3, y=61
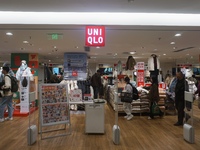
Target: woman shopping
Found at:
x=154, y=97
x=127, y=106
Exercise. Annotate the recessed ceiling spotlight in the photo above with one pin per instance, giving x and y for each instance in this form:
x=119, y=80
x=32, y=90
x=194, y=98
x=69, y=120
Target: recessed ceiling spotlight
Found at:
x=178, y=34
x=49, y=60
x=25, y=42
x=9, y=33
x=54, y=47
x=97, y=47
x=172, y=43
x=76, y=46
x=164, y=54
x=132, y=53
x=174, y=47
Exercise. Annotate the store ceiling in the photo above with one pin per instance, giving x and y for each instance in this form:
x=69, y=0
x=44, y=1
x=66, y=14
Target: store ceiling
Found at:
x=145, y=40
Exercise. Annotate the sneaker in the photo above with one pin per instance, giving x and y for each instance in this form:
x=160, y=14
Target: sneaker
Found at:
x=126, y=116
x=149, y=118
x=2, y=120
x=7, y=118
x=130, y=117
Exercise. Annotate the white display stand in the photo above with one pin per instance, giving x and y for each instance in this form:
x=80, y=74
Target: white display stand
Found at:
x=24, y=94
x=95, y=118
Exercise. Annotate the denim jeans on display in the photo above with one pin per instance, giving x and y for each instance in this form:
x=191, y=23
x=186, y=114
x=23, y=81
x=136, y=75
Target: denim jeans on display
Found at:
x=6, y=100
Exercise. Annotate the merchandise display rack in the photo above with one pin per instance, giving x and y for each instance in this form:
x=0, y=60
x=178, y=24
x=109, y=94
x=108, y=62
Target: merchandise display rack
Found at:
x=54, y=110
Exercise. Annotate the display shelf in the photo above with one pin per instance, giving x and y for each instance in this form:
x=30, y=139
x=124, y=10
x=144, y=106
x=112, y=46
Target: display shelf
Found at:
x=138, y=106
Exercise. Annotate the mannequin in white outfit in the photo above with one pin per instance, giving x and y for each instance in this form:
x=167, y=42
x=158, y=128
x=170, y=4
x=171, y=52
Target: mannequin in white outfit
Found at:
x=24, y=70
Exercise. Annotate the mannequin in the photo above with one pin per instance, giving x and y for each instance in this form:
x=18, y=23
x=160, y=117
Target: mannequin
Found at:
x=24, y=70
x=153, y=65
x=191, y=81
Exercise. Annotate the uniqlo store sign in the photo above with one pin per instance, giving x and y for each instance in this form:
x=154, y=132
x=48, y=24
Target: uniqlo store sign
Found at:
x=95, y=36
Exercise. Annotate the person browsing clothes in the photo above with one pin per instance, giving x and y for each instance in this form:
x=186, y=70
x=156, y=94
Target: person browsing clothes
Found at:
x=154, y=96
x=6, y=96
x=127, y=107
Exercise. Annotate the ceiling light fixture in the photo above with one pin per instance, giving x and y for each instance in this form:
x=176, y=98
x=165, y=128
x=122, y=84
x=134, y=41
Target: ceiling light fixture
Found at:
x=97, y=47
x=25, y=42
x=9, y=33
x=178, y=34
x=164, y=54
x=172, y=43
x=132, y=53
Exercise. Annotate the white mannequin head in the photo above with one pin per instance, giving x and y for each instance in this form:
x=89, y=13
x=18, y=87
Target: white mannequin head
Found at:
x=23, y=65
x=188, y=73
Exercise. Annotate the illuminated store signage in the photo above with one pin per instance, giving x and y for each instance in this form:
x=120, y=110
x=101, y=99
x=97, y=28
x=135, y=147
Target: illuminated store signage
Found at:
x=95, y=36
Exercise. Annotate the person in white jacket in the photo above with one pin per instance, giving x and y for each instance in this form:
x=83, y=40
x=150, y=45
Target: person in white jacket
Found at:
x=6, y=96
x=127, y=106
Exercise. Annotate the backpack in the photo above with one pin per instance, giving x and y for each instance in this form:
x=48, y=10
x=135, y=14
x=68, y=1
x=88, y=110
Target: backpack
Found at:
x=14, y=83
x=135, y=94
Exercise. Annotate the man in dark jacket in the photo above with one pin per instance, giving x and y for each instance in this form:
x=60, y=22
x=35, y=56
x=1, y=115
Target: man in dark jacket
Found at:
x=180, y=88
x=96, y=83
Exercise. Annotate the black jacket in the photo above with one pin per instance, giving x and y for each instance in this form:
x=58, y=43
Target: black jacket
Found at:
x=180, y=88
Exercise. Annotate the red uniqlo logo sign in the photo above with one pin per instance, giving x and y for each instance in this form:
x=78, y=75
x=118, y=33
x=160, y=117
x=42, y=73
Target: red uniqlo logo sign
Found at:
x=95, y=36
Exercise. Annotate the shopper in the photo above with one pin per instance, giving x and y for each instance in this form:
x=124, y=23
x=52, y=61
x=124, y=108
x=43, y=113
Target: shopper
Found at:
x=198, y=87
x=6, y=97
x=96, y=83
x=7, y=64
x=198, y=92
x=180, y=88
x=127, y=106
x=154, y=96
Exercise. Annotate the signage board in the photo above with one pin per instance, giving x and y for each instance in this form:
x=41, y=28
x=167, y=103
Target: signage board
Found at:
x=95, y=36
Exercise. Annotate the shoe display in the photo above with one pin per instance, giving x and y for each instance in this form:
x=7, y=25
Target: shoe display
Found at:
x=7, y=118
x=2, y=120
x=178, y=124
x=130, y=117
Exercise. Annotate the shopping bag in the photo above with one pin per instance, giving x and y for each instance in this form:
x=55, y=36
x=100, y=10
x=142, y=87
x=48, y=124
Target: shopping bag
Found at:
x=126, y=97
x=155, y=108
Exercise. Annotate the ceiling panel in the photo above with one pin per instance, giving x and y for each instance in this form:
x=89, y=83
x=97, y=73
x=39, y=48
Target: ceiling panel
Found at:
x=145, y=40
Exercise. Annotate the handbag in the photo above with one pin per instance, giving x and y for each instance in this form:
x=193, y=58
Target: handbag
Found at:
x=155, y=108
x=126, y=97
